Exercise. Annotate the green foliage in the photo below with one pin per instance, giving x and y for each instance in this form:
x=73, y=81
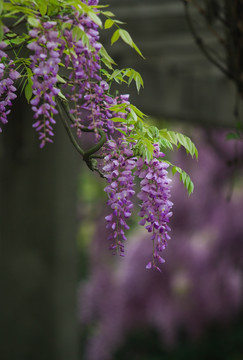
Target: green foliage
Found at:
x=184, y=177
x=124, y=76
x=126, y=37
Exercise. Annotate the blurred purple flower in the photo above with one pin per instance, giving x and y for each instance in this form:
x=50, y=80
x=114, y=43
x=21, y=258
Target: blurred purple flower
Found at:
x=201, y=281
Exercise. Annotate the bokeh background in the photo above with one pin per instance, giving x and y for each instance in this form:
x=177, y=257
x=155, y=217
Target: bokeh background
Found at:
x=63, y=295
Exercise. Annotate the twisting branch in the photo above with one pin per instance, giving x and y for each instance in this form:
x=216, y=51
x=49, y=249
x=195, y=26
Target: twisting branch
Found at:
x=89, y=155
x=67, y=128
x=201, y=45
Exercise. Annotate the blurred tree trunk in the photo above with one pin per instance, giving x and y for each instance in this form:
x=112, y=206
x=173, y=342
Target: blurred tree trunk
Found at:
x=38, y=243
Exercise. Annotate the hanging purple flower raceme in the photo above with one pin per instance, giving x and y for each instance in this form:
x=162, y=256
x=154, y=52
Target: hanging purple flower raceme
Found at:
x=48, y=48
x=118, y=172
x=83, y=57
x=156, y=206
x=89, y=91
x=7, y=89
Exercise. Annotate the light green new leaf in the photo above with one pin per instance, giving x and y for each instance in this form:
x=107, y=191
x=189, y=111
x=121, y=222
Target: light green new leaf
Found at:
x=107, y=13
x=137, y=50
x=108, y=64
x=137, y=111
x=121, y=131
x=118, y=119
x=43, y=8
x=33, y=21
x=166, y=144
x=125, y=36
x=60, y=79
x=1, y=6
x=63, y=97
x=108, y=23
x=169, y=135
x=115, y=36
x=105, y=57
x=95, y=18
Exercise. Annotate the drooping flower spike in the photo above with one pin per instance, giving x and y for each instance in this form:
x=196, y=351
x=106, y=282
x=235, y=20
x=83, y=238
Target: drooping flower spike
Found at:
x=155, y=204
x=118, y=172
x=8, y=75
x=48, y=48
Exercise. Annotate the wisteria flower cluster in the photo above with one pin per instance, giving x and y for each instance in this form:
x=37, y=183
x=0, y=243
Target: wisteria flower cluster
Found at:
x=119, y=164
x=48, y=48
x=154, y=195
x=155, y=206
x=83, y=58
x=68, y=72
x=7, y=89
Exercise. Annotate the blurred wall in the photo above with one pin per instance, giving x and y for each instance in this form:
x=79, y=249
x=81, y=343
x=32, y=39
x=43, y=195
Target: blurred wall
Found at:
x=180, y=83
x=37, y=243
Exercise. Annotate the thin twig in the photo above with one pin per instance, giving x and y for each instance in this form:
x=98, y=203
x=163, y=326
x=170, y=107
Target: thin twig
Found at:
x=89, y=155
x=102, y=134
x=201, y=45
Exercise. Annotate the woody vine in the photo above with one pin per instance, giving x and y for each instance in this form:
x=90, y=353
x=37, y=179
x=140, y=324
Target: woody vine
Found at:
x=50, y=50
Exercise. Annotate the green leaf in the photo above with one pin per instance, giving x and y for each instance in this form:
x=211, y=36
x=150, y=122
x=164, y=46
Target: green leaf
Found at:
x=184, y=177
x=104, y=54
x=137, y=50
x=20, y=19
x=108, y=23
x=166, y=144
x=28, y=91
x=77, y=33
x=118, y=119
x=43, y=8
x=171, y=136
x=125, y=36
x=131, y=77
x=63, y=97
x=139, y=81
x=154, y=131
x=133, y=115
x=107, y=63
x=95, y=19
x=188, y=144
x=139, y=126
x=107, y=13
x=1, y=6
x=66, y=25
x=121, y=131
x=118, y=107
x=60, y=79
x=119, y=22
x=33, y=21
x=1, y=31
x=14, y=9
x=137, y=111
x=115, y=36
x=17, y=40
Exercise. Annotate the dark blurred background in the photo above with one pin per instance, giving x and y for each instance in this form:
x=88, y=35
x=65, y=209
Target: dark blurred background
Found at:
x=62, y=295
